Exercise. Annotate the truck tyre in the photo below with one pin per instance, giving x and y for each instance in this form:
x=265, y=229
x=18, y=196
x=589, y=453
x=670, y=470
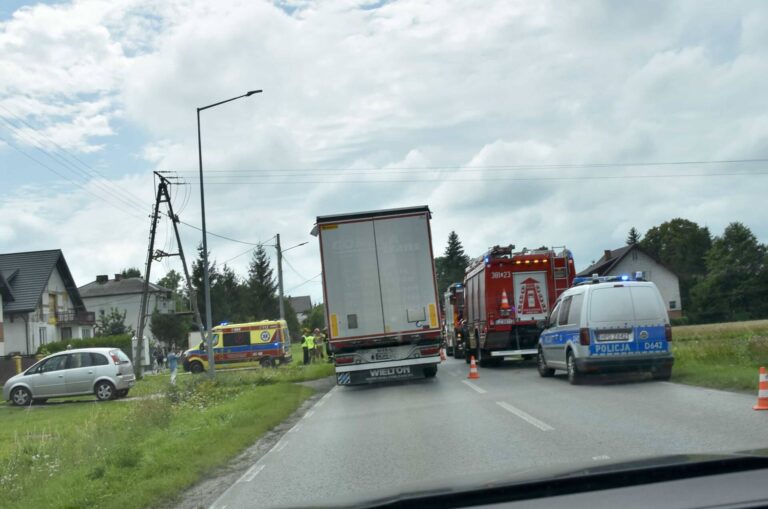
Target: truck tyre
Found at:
x=574, y=377
x=544, y=370
x=430, y=371
x=195, y=367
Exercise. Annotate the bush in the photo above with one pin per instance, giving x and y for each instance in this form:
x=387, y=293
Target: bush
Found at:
x=122, y=342
x=683, y=320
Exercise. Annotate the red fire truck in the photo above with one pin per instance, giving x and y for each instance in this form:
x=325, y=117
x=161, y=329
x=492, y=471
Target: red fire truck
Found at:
x=508, y=296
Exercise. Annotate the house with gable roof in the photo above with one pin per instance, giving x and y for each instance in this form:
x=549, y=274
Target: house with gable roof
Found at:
x=39, y=302
x=631, y=259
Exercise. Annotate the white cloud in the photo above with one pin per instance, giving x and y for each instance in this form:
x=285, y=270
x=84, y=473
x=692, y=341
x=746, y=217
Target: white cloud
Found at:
x=369, y=92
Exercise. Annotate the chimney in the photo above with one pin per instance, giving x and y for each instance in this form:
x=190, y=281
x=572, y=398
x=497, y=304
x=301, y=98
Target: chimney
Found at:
x=607, y=254
x=101, y=279
x=118, y=277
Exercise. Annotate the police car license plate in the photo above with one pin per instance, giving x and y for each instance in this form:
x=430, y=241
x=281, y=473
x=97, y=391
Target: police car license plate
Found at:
x=382, y=354
x=613, y=336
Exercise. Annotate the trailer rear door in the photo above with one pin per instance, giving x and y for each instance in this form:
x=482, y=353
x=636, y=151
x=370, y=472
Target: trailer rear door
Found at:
x=352, y=277
x=405, y=269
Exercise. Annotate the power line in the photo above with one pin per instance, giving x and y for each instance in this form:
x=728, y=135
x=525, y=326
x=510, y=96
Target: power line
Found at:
x=502, y=167
x=490, y=179
x=123, y=195
x=310, y=280
x=292, y=267
x=78, y=184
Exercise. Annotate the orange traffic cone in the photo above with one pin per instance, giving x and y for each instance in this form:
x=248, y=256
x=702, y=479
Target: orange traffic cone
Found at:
x=442, y=355
x=762, y=392
x=504, y=300
x=473, y=369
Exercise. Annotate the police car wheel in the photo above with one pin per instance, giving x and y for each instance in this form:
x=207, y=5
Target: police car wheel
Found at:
x=544, y=370
x=574, y=377
x=196, y=367
x=662, y=374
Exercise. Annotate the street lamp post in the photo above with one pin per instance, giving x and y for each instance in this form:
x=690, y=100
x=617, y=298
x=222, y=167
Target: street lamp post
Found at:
x=206, y=282
x=280, y=272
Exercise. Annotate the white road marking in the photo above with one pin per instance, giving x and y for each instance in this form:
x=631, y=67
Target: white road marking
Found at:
x=602, y=457
x=543, y=426
x=320, y=403
x=475, y=387
x=295, y=428
x=252, y=473
x=280, y=446
x=309, y=414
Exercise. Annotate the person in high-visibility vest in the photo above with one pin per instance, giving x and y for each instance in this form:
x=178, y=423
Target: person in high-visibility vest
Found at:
x=311, y=346
x=318, y=343
x=305, y=346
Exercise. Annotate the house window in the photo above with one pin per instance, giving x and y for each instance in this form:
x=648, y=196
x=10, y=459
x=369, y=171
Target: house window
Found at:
x=85, y=333
x=43, y=332
x=66, y=333
x=673, y=304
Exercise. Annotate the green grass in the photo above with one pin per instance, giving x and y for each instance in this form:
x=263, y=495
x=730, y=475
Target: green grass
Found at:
x=721, y=356
x=141, y=453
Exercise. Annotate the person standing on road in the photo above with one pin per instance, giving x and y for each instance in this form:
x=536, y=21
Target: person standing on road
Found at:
x=159, y=359
x=318, y=343
x=305, y=346
x=173, y=361
x=311, y=347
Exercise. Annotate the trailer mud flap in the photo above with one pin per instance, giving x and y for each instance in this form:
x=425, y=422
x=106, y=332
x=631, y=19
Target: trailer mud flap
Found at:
x=375, y=375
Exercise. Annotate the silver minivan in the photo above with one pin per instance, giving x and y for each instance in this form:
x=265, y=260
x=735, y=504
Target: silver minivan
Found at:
x=607, y=324
x=105, y=372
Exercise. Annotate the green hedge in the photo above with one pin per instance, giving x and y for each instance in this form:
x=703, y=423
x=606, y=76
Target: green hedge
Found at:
x=122, y=342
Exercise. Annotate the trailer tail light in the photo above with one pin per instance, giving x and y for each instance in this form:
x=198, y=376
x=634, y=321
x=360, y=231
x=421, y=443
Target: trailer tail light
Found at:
x=584, y=336
x=346, y=359
x=668, y=332
x=429, y=350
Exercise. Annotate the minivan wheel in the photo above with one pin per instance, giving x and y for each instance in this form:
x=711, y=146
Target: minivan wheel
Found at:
x=544, y=370
x=21, y=396
x=104, y=391
x=574, y=377
x=430, y=371
x=196, y=367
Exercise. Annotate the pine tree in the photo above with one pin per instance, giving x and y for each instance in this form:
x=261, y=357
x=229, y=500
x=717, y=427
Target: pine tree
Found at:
x=450, y=267
x=262, y=303
x=633, y=237
x=197, y=281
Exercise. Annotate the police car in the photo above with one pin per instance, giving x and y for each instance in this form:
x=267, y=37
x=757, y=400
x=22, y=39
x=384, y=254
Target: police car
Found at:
x=601, y=324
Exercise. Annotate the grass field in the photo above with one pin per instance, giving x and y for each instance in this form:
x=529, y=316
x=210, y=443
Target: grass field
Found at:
x=143, y=451
x=722, y=356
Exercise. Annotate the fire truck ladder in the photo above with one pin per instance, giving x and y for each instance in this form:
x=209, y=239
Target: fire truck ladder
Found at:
x=560, y=268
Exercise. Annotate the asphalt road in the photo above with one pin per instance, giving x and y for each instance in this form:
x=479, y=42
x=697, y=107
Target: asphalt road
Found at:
x=359, y=442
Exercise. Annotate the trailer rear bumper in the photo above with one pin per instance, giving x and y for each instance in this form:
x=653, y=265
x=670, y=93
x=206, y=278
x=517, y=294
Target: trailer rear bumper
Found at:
x=509, y=353
x=375, y=372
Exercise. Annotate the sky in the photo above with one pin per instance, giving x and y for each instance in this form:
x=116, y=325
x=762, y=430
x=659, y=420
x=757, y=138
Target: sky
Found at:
x=553, y=123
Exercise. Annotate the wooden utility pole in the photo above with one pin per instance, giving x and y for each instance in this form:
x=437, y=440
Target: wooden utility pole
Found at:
x=163, y=196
